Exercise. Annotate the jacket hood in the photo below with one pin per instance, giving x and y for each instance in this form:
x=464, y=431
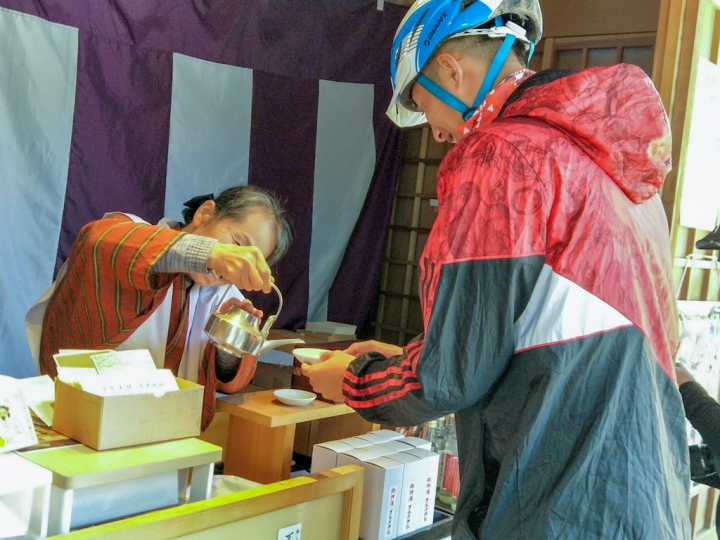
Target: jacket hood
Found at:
x=615, y=115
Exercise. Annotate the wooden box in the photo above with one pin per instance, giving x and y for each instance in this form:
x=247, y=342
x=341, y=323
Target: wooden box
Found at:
x=117, y=421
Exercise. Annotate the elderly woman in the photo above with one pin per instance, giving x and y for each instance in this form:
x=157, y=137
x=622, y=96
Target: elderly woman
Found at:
x=131, y=285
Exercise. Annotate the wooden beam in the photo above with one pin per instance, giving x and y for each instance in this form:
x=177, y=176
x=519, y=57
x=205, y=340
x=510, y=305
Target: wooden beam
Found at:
x=660, y=41
x=680, y=112
x=715, y=45
x=548, y=58
x=667, y=52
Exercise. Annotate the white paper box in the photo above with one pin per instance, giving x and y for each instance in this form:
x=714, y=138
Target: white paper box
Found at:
x=372, y=438
x=351, y=457
x=411, y=495
x=324, y=455
x=389, y=434
x=356, y=442
x=381, y=496
x=396, y=446
x=431, y=460
x=417, y=442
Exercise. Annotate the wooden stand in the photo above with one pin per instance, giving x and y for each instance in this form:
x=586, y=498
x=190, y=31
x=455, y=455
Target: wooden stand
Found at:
x=79, y=466
x=262, y=432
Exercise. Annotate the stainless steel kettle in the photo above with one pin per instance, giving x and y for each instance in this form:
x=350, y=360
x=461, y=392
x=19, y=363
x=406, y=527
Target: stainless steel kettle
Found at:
x=238, y=332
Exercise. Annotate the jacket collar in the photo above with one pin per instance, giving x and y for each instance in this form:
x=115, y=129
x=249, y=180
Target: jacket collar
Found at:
x=493, y=103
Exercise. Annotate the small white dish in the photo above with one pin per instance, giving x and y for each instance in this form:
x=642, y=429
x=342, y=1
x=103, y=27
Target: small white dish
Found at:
x=308, y=356
x=295, y=398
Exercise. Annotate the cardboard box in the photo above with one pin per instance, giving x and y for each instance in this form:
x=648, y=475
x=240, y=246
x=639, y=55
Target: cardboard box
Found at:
x=381, y=494
x=411, y=494
x=116, y=421
x=431, y=462
x=324, y=455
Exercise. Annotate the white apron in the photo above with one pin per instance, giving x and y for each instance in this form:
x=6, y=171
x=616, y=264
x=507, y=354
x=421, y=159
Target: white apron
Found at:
x=152, y=334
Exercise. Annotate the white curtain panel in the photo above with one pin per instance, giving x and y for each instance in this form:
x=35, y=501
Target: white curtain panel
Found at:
x=344, y=166
x=38, y=70
x=209, y=147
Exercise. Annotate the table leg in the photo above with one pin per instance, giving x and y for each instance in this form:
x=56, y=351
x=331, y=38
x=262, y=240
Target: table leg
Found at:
x=259, y=453
x=39, y=511
x=184, y=479
x=61, y=501
x=201, y=483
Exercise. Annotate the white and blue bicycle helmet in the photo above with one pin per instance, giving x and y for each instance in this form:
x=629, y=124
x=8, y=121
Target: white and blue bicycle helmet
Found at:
x=428, y=23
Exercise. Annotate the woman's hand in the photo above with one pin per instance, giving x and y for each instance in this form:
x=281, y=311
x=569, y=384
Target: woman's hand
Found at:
x=327, y=377
x=245, y=305
x=243, y=266
x=362, y=347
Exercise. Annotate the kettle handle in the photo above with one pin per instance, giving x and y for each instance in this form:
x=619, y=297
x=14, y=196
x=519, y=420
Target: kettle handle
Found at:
x=272, y=318
x=220, y=303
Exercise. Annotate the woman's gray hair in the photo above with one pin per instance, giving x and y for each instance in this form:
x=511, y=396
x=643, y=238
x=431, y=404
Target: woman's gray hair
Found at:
x=239, y=202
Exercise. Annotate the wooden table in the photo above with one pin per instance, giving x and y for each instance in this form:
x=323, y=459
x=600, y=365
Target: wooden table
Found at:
x=262, y=431
x=79, y=466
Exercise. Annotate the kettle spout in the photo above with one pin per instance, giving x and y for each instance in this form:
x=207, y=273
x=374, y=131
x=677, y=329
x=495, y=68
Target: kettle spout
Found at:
x=275, y=343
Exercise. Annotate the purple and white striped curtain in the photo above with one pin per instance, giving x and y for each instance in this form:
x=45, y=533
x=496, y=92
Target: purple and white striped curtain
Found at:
x=137, y=106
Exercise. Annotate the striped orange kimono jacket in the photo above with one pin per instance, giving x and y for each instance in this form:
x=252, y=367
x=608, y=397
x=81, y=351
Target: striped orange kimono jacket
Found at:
x=108, y=291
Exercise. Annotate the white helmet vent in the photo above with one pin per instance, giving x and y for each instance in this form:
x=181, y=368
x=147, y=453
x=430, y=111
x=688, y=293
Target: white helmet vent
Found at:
x=410, y=42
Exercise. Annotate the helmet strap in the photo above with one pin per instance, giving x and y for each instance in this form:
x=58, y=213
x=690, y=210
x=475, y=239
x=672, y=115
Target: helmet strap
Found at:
x=443, y=95
x=493, y=72
x=487, y=84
